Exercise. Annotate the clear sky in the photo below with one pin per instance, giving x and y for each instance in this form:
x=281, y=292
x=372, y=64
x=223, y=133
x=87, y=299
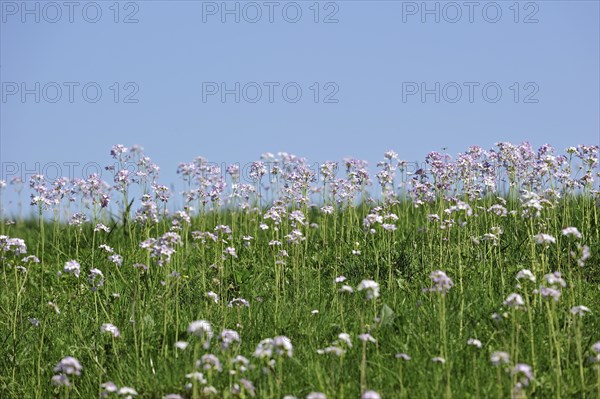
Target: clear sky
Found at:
x=369, y=74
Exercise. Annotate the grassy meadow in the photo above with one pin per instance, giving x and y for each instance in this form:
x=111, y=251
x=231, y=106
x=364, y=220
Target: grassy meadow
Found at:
x=475, y=277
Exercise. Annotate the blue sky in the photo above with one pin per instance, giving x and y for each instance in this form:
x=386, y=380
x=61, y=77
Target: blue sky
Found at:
x=358, y=68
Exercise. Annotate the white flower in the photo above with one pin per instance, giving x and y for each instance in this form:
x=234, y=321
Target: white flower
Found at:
x=200, y=328
x=371, y=287
x=106, y=248
x=438, y=359
x=367, y=337
x=544, y=239
x=474, y=342
x=499, y=357
x=238, y=302
x=213, y=296
x=127, y=391
x=101, y=227
x=346, y=288
x=335, y=350
x=339, y=279
x=282, y=346
x=181, y=345
x=571, y=231
x=196, y=376
x=580, y=310
x=345, y=337
x=526, y=274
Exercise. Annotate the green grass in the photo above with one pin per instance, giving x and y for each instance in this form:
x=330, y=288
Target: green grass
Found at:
x=153, y=309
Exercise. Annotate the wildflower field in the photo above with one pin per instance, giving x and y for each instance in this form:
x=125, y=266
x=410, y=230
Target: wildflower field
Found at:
x=469, y=277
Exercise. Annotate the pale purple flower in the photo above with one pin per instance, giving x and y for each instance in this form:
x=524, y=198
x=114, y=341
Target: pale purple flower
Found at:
x=555, y=279
x=110, y=328
x=60, y=380
x=209, y=362
x=68, y=366
x=281, y=346
x=230, y=251
x=116, y=259
x=72, y=267
x=243, y=387
x=526, y=274
x=514, y=300
x=442, y=283
x=108, y=387
x=239, y=302
x=525, y=371
x=228, y=337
